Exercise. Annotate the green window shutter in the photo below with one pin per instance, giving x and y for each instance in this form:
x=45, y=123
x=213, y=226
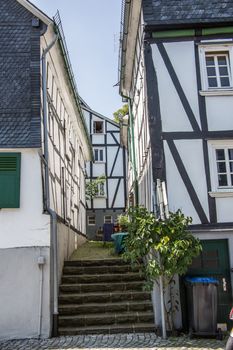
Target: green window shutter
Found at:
x=10, y=180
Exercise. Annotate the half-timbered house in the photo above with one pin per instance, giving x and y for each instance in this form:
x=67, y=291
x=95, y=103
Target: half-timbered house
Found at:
x=44, y=145
x=110, y=162
x=176, y=73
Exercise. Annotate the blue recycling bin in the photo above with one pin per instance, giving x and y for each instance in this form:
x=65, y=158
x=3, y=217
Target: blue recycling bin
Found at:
x=118, y=239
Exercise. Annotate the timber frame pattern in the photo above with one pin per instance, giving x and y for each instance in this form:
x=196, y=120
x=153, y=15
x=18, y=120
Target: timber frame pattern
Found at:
x=113, y=168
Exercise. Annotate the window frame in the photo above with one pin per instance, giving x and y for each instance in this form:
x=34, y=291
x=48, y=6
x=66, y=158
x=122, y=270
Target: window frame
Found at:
x=219, y=191
x=108, y=221
x=214, y=50
x=98, y=149
x=99, y=195
x=88, y=220
x=93, y=127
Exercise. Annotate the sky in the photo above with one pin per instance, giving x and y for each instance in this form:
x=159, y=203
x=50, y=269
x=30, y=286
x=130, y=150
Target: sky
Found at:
x=92, y=30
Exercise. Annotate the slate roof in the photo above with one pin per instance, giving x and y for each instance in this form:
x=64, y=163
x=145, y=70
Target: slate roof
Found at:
x=177, y=12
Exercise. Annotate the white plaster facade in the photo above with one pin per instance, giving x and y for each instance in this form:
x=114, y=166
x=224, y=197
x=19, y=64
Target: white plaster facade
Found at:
x=166, y=90
x=111, y=165
x=26, y=292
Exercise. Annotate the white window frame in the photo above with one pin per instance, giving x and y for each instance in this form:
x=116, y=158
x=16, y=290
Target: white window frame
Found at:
x=98, y=150
x=90, y=222
x=219, y=191
x=224, y=48
x=107, y=221
x=99, y=194
x=93, y=128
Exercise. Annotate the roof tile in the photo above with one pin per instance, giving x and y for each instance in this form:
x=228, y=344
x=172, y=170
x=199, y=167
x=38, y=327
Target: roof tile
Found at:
x=168, y=12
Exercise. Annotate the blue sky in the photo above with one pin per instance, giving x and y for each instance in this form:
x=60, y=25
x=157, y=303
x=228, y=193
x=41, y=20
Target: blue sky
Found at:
x=92, y=34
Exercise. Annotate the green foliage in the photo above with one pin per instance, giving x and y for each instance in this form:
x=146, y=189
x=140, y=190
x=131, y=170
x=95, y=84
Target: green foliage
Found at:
x=92, y=187
x=123, y=221
x=124, y=110
x=167, y=244
x=166, y=247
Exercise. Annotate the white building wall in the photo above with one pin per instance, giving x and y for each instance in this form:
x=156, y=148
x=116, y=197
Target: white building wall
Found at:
x=67, y=144
x=26, y=226
x=112, y=203
x=25, y=231
x=175, y=119
x=141, y=131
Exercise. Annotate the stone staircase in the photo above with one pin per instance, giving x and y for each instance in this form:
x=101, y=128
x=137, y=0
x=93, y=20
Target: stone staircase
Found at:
x=103, y=297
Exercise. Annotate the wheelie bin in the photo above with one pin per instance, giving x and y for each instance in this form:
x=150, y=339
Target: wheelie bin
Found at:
x=202, y=306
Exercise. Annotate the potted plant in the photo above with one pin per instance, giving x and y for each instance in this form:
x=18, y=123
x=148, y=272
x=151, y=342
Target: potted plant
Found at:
x=123, y=222
x=119, y=237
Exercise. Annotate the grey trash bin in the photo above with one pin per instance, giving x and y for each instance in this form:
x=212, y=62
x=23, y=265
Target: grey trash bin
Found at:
x=202, y=306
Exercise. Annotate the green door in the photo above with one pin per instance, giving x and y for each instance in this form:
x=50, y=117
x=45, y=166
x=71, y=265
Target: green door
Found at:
x=214, y=262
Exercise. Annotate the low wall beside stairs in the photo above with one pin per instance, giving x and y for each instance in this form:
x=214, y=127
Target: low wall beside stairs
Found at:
x=68, y=241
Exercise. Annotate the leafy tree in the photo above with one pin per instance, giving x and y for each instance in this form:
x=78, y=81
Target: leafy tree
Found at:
x=166, y=247
x=92, y=187
x=124, y=110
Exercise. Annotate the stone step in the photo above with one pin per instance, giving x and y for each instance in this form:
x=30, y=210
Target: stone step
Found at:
x=106, y=319
x=76, y=309
x=104, y=269
x=120, y=328
x=98, y=287
x=129, y=276
x=109, y=297
x=99, y=262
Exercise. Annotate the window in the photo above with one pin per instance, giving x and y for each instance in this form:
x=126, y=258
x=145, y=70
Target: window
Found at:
x=221, y=166
x=98, y=127
x=10, y=180
x=91, y=220
x=218, y=70
x=224, y=160
x=99, y=154
x=107, y=219
x=101, y=190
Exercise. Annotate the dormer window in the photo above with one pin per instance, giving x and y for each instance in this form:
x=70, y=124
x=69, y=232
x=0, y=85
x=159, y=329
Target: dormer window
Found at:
x=98, y=127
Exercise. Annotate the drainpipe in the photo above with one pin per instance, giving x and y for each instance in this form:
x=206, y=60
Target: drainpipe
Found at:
x=41, y=262
x=52, y=213
x=133, y=149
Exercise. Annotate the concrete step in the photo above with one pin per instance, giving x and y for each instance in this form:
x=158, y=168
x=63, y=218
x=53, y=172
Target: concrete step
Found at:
x=98, y=262
x=109, y=297
x=104, y=269
x=129, y=276
x=120, y=328
x=105, y=319
x=98, y=287
x=78, y=309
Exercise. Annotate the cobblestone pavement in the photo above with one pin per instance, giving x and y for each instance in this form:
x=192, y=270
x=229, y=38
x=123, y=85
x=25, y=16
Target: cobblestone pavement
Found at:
x=113, y=342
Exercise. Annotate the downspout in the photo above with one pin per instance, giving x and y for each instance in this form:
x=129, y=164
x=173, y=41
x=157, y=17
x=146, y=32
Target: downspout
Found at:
x=134, y=152
x=52, y=213
x=133, y=149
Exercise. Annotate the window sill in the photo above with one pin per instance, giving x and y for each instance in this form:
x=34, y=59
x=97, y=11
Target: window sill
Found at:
x=219, y=92
x=221, y=194
x=99, y=162
x=100, y=197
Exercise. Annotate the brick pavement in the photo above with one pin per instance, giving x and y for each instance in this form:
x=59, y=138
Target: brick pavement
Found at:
x=113, y=342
